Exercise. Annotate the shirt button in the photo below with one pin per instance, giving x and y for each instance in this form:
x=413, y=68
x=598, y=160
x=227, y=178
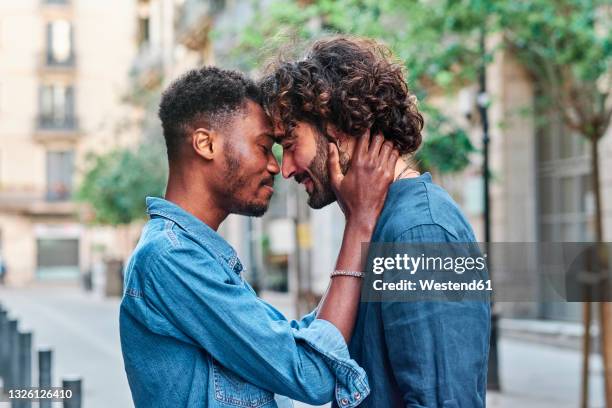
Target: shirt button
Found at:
x=357, y=395
x=344, y=401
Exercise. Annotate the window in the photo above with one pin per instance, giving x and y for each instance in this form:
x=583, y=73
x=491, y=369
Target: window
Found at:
x=144, y=36
x=60, y=168
x=57, y=258
x=56, y=107
x=565, y=193
x=59, y=43
x=565, y=197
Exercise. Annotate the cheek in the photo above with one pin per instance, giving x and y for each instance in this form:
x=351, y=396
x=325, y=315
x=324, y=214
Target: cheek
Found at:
x=304, y=156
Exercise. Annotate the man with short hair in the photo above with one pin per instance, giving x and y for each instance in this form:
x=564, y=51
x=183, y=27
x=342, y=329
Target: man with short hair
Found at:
x=193, y=332
x=416, y=353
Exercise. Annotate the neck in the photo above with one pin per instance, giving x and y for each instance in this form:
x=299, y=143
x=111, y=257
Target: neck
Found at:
x=400, y=166
x=194, y=198
x=401, y=169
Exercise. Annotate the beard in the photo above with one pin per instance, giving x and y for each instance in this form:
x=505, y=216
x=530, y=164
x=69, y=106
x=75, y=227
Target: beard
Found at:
x=322, y=193
x=236, y=185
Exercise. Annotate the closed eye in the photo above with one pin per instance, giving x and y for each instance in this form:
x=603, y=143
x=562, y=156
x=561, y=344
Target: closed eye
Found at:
x=267, y=149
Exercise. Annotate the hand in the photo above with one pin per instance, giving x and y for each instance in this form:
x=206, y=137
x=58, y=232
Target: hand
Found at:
x=361, y=193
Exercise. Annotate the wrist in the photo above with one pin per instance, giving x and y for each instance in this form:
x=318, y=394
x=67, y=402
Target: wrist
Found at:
x=360, y=226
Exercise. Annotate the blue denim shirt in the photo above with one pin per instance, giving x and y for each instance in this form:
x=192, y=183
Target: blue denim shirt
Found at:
x=194, y=334
x=423, y=354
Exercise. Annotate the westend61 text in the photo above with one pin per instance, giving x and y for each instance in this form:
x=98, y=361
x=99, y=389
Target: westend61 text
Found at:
x=433, y=285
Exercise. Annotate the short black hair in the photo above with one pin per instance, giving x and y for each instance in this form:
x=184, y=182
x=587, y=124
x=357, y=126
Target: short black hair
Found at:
x=208, y=94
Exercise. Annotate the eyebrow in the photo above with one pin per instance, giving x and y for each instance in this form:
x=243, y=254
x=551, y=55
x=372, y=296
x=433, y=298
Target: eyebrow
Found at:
x=285, y=138
x=267, y=135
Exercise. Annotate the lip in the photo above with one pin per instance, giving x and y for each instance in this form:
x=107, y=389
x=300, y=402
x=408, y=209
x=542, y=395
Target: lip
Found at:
x=269, y=188
x=307, y=184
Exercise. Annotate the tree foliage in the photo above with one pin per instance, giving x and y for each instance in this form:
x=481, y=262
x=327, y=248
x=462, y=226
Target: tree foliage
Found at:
x=116, y=183
x=565, y=44
x=567, y=48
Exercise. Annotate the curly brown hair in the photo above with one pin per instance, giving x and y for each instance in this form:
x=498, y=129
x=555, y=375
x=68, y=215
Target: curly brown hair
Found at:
x=352, y=83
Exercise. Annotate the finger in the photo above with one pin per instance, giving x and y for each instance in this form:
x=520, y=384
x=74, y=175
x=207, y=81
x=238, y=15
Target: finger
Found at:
x=392, y=161
x=362, y=143
x=386, y=150
x=333, y=164
x=375, y=145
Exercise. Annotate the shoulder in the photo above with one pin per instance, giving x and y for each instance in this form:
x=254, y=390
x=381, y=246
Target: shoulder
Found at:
x=164, y=244
x=422, y=211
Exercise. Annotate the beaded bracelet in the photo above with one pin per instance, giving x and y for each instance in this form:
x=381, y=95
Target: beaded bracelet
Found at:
x=354, y=274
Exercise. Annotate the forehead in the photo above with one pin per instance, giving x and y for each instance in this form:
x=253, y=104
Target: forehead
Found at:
x=301, y=130
x=252, y=121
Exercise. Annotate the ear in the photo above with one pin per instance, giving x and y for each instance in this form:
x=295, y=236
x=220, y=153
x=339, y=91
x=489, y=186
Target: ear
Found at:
x=342, y=139
x=334, y=132
x=204, y=142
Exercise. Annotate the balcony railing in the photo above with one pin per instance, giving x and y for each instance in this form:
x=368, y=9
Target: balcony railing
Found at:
x=48, y=62
x=55, y=2
x=40, y=202
x=58, y=192
x=51, y=61
x=50, y=123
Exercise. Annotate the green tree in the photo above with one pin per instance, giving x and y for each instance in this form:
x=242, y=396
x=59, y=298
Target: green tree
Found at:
x=116, y=183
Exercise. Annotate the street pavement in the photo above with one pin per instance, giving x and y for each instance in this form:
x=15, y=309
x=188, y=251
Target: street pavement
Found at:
x=82, y=328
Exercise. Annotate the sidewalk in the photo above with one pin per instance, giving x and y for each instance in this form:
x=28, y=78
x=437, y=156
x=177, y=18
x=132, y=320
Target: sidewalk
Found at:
x=83, y=331
x=84, y=334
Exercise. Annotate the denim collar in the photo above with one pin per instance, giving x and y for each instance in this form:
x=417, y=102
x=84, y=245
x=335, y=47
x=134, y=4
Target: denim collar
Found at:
x=423, y=178
x=198, y=229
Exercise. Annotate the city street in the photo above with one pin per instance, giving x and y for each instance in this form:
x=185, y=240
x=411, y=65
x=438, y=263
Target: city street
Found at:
x=82, y=328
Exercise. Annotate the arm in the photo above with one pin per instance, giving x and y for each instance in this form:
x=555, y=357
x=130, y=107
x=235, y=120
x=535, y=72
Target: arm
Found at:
x=188, y=290
x=361, y=194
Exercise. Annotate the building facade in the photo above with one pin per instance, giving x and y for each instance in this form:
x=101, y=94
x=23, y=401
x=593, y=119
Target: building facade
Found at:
x=63, y=69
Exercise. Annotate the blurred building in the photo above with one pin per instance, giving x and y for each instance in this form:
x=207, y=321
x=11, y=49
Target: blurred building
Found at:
x=540, y=174
x=63, y=71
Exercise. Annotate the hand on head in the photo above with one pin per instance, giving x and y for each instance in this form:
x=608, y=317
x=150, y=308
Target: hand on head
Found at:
x=361, y=192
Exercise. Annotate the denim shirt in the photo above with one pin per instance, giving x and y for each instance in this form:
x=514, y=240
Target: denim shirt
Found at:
x=194, y=334
x=423, y=353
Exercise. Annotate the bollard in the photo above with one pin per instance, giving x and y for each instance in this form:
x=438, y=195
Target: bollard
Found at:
x=3, y=344
x=11, y=358
x=24, y=380
x=45, y=358
x=75, y=384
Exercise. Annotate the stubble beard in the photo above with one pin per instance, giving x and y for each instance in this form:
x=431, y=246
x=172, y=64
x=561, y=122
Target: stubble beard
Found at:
x=322, y=193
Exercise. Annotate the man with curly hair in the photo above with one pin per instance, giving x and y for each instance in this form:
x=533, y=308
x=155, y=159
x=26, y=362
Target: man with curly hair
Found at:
x=418, y=353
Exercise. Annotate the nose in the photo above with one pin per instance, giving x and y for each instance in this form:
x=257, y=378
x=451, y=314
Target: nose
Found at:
x=273, y=165
x=288, y=166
